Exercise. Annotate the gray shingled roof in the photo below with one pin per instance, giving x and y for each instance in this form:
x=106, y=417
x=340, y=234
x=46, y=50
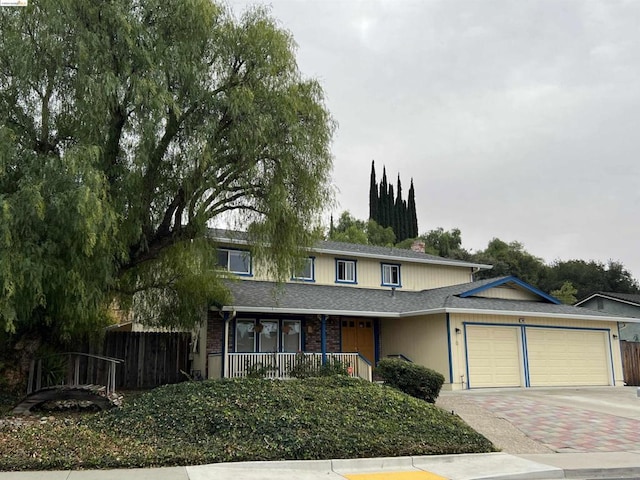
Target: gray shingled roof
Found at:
x=358, y=250
x=626, y=297
x=257, y=296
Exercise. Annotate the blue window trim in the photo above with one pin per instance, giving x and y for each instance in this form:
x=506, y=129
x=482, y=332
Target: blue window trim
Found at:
x=382, y=283
x=313, y=272
x=240, y=274
x=525, y=352
x=355, y=271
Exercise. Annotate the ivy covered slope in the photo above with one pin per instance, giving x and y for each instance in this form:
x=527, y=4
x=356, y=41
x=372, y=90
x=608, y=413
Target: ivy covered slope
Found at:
x=240, y=420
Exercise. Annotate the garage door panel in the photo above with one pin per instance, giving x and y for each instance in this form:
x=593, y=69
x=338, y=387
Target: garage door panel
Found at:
x=493, y=355
x=560, y=357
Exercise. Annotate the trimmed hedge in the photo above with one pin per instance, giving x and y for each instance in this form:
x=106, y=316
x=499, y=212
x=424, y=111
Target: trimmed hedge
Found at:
x=415, y=380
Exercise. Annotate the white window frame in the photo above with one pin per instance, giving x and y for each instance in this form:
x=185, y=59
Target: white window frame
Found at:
x=230, y=252
x=386, y=271
x=297, y=326
x=310, y=264
x=250, y=322
x=264, y=323
x=346, y=263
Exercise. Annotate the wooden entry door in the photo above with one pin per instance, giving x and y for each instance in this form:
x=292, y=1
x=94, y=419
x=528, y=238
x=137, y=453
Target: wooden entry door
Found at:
x=357, y=336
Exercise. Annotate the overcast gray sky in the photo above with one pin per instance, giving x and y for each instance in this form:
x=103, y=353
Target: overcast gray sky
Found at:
x=516, y=119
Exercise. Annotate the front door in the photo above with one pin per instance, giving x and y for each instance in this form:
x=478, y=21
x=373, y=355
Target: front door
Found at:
x=357, y=336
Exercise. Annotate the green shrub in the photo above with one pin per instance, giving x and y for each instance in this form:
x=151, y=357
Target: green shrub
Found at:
x=415, y=380
x=304, y=366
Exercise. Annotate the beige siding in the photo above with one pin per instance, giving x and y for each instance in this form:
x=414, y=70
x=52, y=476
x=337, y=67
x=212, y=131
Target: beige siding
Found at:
x=458, y=341
x=421, y=339
x=509, y=293
x=422, y=276
x=414, y=276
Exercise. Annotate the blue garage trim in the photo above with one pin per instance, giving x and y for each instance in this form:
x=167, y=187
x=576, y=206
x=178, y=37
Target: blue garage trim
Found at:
x=613, y=370
x=537, y=326
x=525, y=357
x=525, y=349
x=450, y=349
x=466, y=354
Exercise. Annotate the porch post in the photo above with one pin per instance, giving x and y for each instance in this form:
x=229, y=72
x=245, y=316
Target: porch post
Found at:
x=323, y=338
x=225, y=345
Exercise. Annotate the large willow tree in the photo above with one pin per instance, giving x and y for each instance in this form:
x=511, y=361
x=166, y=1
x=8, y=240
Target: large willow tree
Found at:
x=126, y=128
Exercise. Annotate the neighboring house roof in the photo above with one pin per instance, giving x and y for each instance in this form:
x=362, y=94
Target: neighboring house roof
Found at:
x=357, y=250
x=630, y=298
x=303, y=298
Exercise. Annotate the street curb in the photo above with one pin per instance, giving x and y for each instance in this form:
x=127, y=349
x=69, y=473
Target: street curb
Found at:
x=607, y=472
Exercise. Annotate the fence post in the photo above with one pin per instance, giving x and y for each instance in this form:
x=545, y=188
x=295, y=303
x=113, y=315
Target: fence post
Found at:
x=76, y=371
x=32, y=371
x=39, y=375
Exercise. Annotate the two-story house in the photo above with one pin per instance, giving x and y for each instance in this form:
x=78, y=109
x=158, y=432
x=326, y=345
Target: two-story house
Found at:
x=360, y=303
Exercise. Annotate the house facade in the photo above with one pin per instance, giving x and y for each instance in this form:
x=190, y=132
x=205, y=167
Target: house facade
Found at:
x=624, y=304
x=358, y=304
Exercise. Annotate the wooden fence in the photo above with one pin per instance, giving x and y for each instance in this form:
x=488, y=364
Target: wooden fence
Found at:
x=631, y=362
x=150, y=359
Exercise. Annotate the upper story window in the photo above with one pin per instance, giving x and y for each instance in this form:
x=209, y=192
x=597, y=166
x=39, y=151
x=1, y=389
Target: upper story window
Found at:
x=236, y=261
x=307, y=272
x=390, y=275
x=345, y=271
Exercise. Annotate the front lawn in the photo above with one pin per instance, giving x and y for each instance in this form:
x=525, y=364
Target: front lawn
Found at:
x=242, y=420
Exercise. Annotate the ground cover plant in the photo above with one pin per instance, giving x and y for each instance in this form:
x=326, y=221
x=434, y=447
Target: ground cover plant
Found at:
x=241, y=420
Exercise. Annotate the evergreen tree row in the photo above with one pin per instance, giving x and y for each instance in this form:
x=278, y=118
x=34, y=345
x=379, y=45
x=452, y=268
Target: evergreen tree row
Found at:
x=390, y=210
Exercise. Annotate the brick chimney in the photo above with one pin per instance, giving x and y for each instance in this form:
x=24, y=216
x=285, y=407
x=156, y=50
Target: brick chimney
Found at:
x=418, y=246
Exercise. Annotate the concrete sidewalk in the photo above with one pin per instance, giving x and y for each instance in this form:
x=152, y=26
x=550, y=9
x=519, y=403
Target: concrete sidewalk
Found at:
x=496, y=466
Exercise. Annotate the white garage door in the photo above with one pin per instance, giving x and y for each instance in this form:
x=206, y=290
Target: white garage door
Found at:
x=493, y=356
x=559, y=357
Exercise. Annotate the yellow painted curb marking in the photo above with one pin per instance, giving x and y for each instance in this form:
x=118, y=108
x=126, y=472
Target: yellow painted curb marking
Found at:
x=408, y=475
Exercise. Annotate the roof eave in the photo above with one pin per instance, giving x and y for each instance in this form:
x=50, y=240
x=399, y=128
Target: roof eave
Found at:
x=398, y=258
x=309, y=311
x=521, y=313
x=329, y=251
x=608, y=297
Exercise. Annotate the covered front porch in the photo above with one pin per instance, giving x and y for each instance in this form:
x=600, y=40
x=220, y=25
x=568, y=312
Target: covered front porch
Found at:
x=286, y=345
x=284, y=365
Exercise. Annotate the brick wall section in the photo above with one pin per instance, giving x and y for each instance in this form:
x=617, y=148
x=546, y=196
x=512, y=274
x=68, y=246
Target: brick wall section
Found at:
x=313, y=338
x=215, y=332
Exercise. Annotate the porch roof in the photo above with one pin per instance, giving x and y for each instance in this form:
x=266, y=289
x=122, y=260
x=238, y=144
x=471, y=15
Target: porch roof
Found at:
x=253, y=296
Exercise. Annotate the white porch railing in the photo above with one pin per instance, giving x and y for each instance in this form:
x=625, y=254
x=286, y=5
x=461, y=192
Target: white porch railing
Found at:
x=280, y=365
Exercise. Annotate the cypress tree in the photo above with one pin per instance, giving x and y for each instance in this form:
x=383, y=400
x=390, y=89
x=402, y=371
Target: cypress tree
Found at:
x=373, y=194
x=399, y=220
x=411, y=213
x=383, y=204
x=392, y=210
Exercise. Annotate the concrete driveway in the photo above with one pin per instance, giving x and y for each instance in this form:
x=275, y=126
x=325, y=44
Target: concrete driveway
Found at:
x=548, y=420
